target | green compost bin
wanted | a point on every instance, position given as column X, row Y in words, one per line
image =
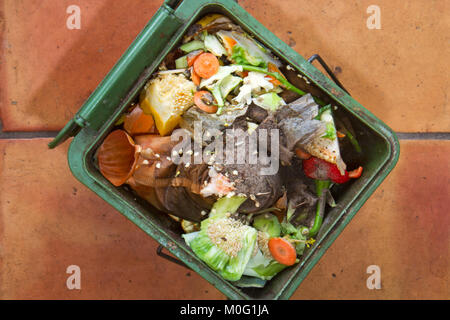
column 122, row 85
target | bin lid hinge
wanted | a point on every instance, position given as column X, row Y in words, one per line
column 173, row 4
column 70, row 130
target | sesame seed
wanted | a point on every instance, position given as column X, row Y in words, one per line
column 187, row 165
column 168, row 158
column 227, row 234
column 157, row 155
column 262, row 241
column 158, row 165
column 252, row 196
column 257, row 204
column 145, row 162
column 235, row 172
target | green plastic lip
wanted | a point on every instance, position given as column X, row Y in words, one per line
column 123, row 83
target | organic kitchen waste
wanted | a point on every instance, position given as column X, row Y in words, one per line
column 225, row 144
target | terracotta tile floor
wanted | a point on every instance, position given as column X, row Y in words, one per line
column 49, row 221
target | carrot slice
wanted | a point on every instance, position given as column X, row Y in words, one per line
column 273, row 68
column 195, row 77
column 302, row 154
column 192, row 56
column 205, row 101
column 282, row 251
column 355, row 173
column 206, row 65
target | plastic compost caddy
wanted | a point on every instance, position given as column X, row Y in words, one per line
column 122, row 85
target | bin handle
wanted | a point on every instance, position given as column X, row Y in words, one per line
column 327, row 69
column 159, row 252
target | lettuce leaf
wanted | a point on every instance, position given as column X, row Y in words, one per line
column 241, row 56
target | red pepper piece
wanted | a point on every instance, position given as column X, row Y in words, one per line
column 319, row 169
column 316, row 168
column 335, row 175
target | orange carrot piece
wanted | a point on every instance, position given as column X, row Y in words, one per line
column 206, row 65
column 137, row 122
column 273, row 68
column 229, row 44
column 204, row 100
column 282, row 251
column 195, row 77
column 192, row 56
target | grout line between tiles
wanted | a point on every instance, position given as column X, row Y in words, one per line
column 27, row 135
column 423, row 135
column 11, row 135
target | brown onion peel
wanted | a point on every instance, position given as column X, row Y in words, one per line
column 117, row 157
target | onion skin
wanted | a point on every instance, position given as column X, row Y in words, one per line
column 148, row 193
column 117, row 157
